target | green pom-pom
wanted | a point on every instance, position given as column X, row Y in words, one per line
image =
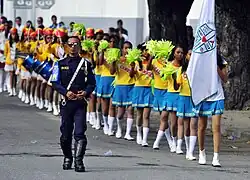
column 112, row 55
column 167, row 71
column 134, row 55
column 164, row 50
column 152, row 47
column 79, row 28
column 88, row 45
column 103, row 45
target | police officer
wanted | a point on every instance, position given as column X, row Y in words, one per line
column 74, row 104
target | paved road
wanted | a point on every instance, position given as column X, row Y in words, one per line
column 29, row 150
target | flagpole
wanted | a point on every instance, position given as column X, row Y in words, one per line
column 34, row 12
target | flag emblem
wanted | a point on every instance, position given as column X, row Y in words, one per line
column 205, row 39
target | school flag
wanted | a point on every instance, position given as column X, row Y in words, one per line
column 202, row 69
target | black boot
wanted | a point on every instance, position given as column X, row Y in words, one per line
column 67, row 152
column 80, row 147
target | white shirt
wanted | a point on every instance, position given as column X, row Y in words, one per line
column 20, row 30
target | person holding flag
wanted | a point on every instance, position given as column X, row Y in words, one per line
column 206, row 72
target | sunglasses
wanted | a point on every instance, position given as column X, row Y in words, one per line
column 73, row 44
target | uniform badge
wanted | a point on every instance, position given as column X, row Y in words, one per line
column 55, row 73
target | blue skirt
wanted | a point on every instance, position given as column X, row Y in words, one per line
column 172, row 101
column 209, row 108
column 122, row 95
column 185, row 108
column 142, row 97
column 160, row 99
column 97, row 79
column 105, row 87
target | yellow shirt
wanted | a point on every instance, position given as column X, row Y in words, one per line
column 106, row 69
column 143, row 77
column 33, row 46
column 122, row 75
column 22, row 47
column 98, row 68
column 159, row 83
column 10, row 52
column 171, row 82
column 183, row 82
column 44, row 52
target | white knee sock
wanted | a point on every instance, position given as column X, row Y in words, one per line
column 192, row 144
column 168, row 136
column 105, row 120
column 158, row 138
column 187, row 139
column 110, row 123
column 145, row 134
column 174, row 141
column 139, row 128
column 179, row 143
column 129, row 125
column 119, row 126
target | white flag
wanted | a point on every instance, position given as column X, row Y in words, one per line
column 202, row 68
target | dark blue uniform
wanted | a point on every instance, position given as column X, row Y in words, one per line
column 74, row 112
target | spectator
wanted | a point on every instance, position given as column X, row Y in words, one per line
column 112, row 31
column 30, row 25
column 120, row 28
column 19, row 25
column 3, row 19
column 40, row 23
column 61, row 24
column 10, row 24
column 71, row 28
column 54, row 22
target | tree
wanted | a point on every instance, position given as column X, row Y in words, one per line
column 167, row 20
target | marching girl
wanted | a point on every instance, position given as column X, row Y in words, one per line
column 59, row 51
column 96, row 100
column 25, row 75
column 173, row 96
column 106, row 89
column 212, row 106
column 2, row 45
column 122, row 96
column 185, row 113
column 160, row 101
column 142, row 98
column 32, row 48
column 43, row 53
column 10, row 63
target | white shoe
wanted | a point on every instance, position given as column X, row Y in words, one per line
column 5, row 88
column 46, row 103
column 216, row 163
column 139, row 139
column 23, row 97
column 128, row 137
column 1, row 90
column 202, row 158
column 144, row 144
column 179, row 151
column 14, row 91
column 37, row 103
column 173, row 149
column 50, row 109
column 41, row 104
column 156, row 146
column 105, row 129
column 118, row 134
column 55, row 110
column 32, row 102
column 11, row 93
column 191, row 157
column 20, row 94
column 27, row 100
